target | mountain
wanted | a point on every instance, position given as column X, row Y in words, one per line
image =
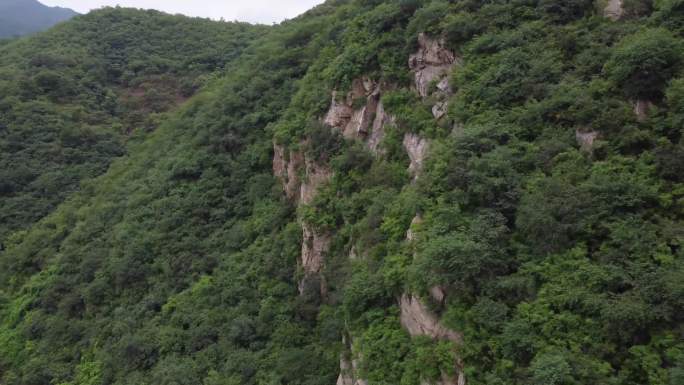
column 22, row 17
column 72, row 98
column 376, row 192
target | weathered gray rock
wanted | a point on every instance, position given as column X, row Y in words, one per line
column 286, row 169
column 315, row 246
column 410, row 233
column 642, row 108
column 586, row 138
column 354, row 123
column 303, row 190
column 459, row 379
column 614, row 10
column 432, row 62
column 346, row 376
column 340, row 112
column 316, row 174
column 417, row 149
column 348, row 373
column 438, row 293
column 349, row 368
column 360, row 114
column 418, row 320
column 377, row 134
column 440, row 109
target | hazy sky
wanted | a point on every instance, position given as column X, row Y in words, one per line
column 254, row 11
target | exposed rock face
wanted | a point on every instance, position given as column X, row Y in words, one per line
column 410, row 235
column 614, row 10
column 446, row 380
column 316, row 174
column 417, row 149
column 360, row 114
column 382, row 119
column 340, row 113
column 418, row 320
column 438, row 293
column 586, row 138
column 314, row 244
column 346, row 376
column 314, row 247
column 641, row 109
column 354, row 122
column 431, row 62
column 286, row 169
column 349, row 370
column 302, row 190
column 440, row 109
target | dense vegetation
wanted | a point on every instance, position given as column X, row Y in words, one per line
column 562, row 263
column 69, row 98
column 21, row 17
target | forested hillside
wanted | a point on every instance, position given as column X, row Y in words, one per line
column 21, row 17
column 71, row 97
column 376, row 192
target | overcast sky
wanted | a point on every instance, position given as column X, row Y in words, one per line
column 253, row 11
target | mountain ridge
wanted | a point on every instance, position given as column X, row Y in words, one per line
column 22, row 17
column 378, row 192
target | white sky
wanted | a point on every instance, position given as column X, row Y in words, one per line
column 253, row 11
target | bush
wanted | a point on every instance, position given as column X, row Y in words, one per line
column 643, row 63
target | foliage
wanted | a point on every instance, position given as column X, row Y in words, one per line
column 561, row 262
column 71, row 97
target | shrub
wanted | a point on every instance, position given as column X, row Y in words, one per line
column 643, row 63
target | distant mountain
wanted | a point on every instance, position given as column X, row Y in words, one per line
column 21, row 17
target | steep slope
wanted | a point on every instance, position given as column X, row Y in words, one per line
column 194, row 288
column 21, row 17
column 71, row 97
column 383, row 192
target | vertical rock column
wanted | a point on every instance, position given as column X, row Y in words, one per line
column 614, row 10
column 287, row 166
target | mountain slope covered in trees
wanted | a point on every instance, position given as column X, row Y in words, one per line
column 71, row 97
column 382, row 192
column 21, row 17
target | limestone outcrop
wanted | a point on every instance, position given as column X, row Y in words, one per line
column 641, row 109
column 418, row 320
column 586, row 138
column 377, row 134
column 360, row 113
column 354, row 113
column 349, row 373
column 614, row 10
column 349, row 368
column 446, row 380
column 315, row 246
column 417, row 149
column 301, row 177
column 286, row 166
column 432, row 62
column 410, row 234
column 316, row 174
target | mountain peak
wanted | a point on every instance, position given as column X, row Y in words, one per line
column 21, row 17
